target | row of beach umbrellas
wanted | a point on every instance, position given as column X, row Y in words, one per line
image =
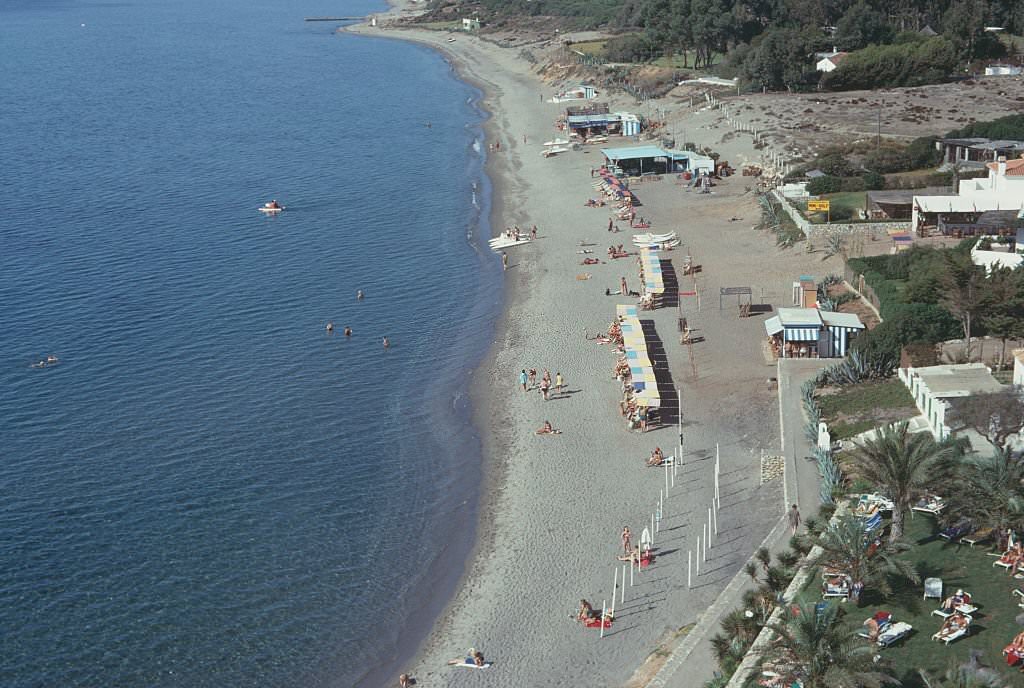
column 641, row 370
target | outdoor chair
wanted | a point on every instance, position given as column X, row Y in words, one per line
column 955, row 635
column 932, row 588
column 965, row 607
column 955, row 532
column 931, row 505
column 873, row 523
column 980, row 535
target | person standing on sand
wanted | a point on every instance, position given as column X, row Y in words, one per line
column 522, row 379
column 794, row 519
column 504, row 261
column 622, row 286
column 533, row 377
column 545, row 385
column 610, row 223
column 533, row 233
column 404, row 681
column 559, row 383
column 627, row 540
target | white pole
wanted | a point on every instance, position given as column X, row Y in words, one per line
column 666, row 477
column 604, row 603
column 652, row 527
column 615, row 589
column 709, row 522
column 622, row 595
column 689, row 568
column 714, row 520
column 631, row 572
column 698, row 556
column 704, row 531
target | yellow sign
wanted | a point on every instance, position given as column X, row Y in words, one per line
column 813, row 206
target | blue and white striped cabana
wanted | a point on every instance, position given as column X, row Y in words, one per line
column 808, row 332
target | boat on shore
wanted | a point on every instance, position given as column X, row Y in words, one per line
column 557, row 142
column 554, row 150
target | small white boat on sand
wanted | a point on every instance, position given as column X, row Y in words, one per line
column 554, row 150
column 498, row 243
column 557, row 142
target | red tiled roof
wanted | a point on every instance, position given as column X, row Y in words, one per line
column 1014, row 168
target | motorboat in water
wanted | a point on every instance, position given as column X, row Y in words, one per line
column 271, row 208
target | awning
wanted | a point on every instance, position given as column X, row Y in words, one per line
column 773, row 326
column 802, row 334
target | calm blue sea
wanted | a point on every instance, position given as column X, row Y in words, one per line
column 208, row 489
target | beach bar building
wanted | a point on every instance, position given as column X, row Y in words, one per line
column 641, row 160
column 623, row 123
column 812, row 333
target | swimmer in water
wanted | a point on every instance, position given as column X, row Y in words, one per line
column 330, row 328
column 387, row 344
column 359, row 295
column 348, row 331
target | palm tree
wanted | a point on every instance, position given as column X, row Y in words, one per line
column 990, row 492
column 900, row 463
column 812, row 649
column 969, row 675
column 847, row 548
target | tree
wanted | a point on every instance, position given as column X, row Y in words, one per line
column 861, row 26
column 1004, row 316
column 847, row 548
column 995, row 415
column 899, row 463
column 965, row 294
column 991, row 492
column 812, row 650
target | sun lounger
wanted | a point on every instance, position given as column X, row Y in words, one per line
column 894, row 633
column 980, row 535
column 954, row 635
column 1003, row 561
column 873, row 523
column 965, row 607
column 933, row 506
column 955, row 532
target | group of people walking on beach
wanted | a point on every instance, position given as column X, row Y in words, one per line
column 528, row 381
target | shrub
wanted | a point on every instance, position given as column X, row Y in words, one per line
column 873, row 181
column 824, row 185
column 921, row 153
column 886, row 160
column 852, row 184
column 906, row 64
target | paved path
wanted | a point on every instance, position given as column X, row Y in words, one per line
column 693, row 661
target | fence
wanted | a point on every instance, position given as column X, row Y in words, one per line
column 857, row 281
column 813, row 231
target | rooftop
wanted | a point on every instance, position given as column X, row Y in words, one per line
column 1014, row 168
column 800, row 317
column 958, row 380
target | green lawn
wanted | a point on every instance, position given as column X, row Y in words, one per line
column 959, row 567
column 853, row 409
column 595, row 48
column 844, row 206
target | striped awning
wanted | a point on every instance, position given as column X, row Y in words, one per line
column 802, row 334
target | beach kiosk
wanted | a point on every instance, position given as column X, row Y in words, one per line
column 812, row 333
column 640, row 160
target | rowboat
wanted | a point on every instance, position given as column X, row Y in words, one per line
column 557, row 142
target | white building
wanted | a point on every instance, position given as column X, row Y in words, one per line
column 1003, row 70
column 470, row 24
column 932, row 386
column 830, row 61
column 1018, row 367
column 1003, row 259
column 1002, row 189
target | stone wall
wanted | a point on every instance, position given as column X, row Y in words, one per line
column 820, row 231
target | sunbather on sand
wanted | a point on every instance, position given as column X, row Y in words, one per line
column 546, row 429
column 657, row 457
column 473, row 657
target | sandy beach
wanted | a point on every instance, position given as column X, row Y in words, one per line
column 554, row 506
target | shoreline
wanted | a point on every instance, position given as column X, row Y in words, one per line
column 548, row 510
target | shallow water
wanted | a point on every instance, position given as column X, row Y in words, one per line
column 208, row 489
